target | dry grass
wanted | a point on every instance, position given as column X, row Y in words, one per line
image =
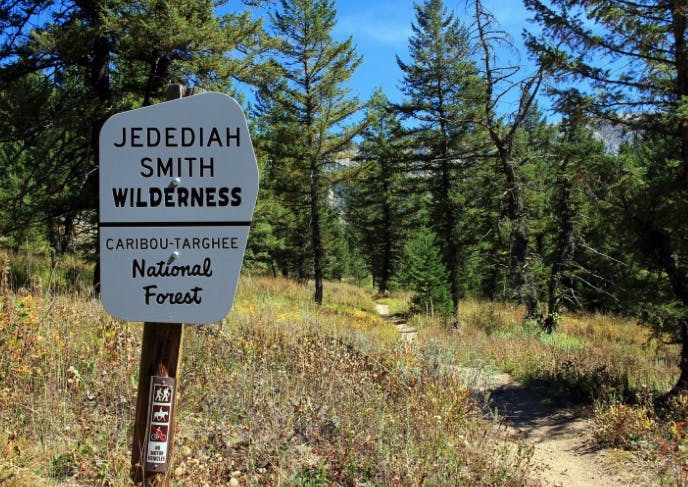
column 286, row 393
column 590, row 356
column 610, row 364
column 281, row 393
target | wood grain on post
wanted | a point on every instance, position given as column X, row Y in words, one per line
column 160, row 354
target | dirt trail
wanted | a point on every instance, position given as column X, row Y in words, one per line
column 407, row 333
column 563, row 453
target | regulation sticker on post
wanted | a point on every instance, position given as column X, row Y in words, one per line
column 159, row 430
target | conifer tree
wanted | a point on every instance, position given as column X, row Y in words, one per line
column 424, row 273
column 285, row 178
column 569, row 179
column 499, row 81
column 308, row 108
column 628, row 63
column 266, row 243
column 440, row 84
column 379, row 206
column 88, row 60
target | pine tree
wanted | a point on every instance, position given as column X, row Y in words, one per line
column 307, row 107
column 569, row 179
column 379, row 207
column 440, row 84
column 88, row 60
column 503, row 131
column 266, row 244
column 424, row 273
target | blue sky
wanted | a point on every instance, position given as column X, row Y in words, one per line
column 380, row 30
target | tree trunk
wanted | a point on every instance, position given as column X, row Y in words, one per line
column 518, row 254
column 386, row 270
column 679, row 26
column 681, row 53
column 100, row 82
column 152, row 75
column 158, row 67
column 448, row 223
column 386, row 264
column 657, row 245
column 67, row 234
column 315, row 233
column 681, row 385
column 677, row 278
column 565, row 249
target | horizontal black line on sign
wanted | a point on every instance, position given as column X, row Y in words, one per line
column 174, row 224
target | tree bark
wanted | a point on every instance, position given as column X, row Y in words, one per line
column 678, row 279
column 316, row 238
column 100, row 83
column 448, row 218
column 679, row 26
column 565, row 249
column 503, row 142
column 385, row 272
column 158, row 67
column 518, row 253
column 451, row 247
column 681, row 385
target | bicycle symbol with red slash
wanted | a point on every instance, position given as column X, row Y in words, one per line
column 158, row 433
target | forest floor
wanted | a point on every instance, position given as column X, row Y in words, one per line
column 564, row 454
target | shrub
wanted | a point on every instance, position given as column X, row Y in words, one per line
column 620, row 425
column 488, row 319
column 426, row 275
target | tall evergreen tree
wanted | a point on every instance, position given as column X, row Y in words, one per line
column 266, row 243
column 378, row 204
column 308, row 107
column 569, row 178
column 285, row 178
column 440, row 84
column 629, row 64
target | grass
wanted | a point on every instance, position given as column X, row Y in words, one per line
column 286, row 393
column 611, row 365
column 584, row 348
column 280, row 393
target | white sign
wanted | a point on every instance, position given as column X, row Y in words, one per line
column 178, row 184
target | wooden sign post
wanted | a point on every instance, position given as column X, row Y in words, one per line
column 178, row 184
column 154, row 429
column 160, row 354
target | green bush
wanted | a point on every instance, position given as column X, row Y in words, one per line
column 488, row 319
column 425, row 274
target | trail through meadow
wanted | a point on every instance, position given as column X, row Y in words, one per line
column 564, row 454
